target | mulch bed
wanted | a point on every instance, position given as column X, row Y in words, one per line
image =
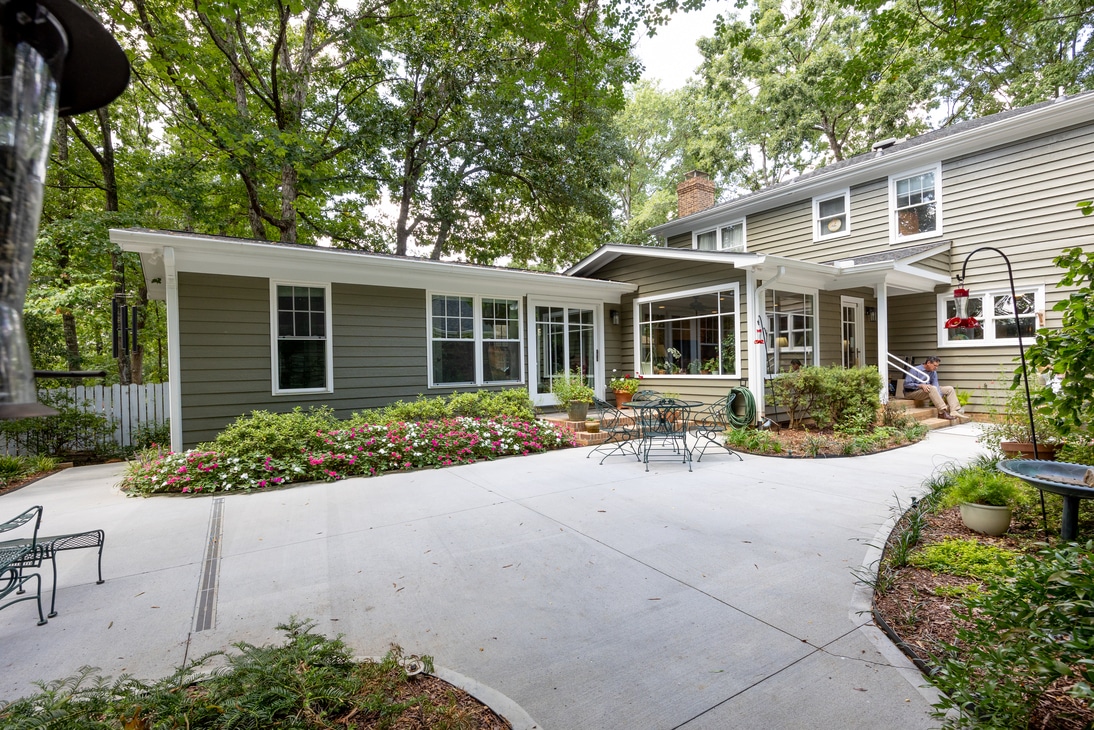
column 925, row 621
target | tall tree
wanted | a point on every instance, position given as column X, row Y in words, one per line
column 802, row 83
column 656, row 126
column 997, row 54
column 497, row 127
column 264, row 88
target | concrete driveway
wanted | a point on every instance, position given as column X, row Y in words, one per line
column 590, row 596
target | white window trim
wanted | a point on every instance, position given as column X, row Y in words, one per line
column 937, row 232
column 476, row 306
column 793, row 289
column 274, row 375
column 992, row 341
column 846, row 230
column 718, row 230
column 636, row 343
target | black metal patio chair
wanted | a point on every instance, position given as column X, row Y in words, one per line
column 621, row 429
column 20, row 561
column 711, row 423
column 46, row 548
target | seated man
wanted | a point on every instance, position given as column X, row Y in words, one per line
column 926, row 386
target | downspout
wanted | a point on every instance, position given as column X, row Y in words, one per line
column 756, row 375
column 174, row 361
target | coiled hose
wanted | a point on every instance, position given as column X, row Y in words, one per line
column 749, row 416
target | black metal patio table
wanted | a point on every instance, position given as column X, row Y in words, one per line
column 664, row 429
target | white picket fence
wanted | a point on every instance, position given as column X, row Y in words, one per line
column 128, row 406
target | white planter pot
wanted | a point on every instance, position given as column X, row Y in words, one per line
column 985, row 518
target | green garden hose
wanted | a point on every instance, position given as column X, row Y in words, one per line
column 749, row 416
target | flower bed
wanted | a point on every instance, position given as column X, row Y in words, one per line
column 365, row 450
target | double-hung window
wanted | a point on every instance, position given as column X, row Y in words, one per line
column 474, row 340
column 791, row 329
column 831, row 216
column 915, row 204
column 730, row 237
column 994, row 312
column 301, row 342
column 689, row 333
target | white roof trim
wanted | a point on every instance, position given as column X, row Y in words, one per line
column 606, row 254
column 241, row 257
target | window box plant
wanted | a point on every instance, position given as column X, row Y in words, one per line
column 572, row 392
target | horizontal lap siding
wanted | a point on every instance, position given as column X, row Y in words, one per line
column 788, row 230
column 666, row 277
column 1021, row 200
column 379, row 351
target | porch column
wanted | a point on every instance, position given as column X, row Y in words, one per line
column 882, row 293
column 174, row 359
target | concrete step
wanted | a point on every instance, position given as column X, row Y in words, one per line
column 928, row 416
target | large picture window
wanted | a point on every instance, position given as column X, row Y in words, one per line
column 994, row 310
column 474, row 340
column 915, row 204
column 693, row 333
column 791, row 329
column 301, row 344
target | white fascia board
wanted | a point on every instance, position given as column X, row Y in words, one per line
column 1061, row 114
column 606, row 254
column 235, row 257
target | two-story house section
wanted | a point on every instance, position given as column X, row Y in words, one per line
column 856, row 262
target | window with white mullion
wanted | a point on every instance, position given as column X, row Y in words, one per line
column 995, row 314
column 474, row 340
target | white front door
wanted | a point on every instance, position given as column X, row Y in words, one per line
column 564, row 338
column 851, row 328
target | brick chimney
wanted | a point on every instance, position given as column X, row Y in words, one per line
column 694, row 193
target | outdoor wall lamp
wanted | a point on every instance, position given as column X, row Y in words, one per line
column 614, row 314
column 56, row 59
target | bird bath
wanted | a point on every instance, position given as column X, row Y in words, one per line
column 1059, row 478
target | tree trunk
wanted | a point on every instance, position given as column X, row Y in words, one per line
column 73, row 359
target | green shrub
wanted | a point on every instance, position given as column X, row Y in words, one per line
column 12, row 468
column 984, row 485
column 845, row 398
column 276, row 435
column 754, row 440
column 149, row 434
column 1029, row 630
column 76, row 428
column 308, row 681
column 512, row 402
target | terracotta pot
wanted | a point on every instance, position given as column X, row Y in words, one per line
column 1024, row 450
column 985, row 518
column 623, row 397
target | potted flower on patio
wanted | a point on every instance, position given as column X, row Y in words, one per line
column 985, row 497
column 624, row 388
column 572, row 392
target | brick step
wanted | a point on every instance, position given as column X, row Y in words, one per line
column 928, row 416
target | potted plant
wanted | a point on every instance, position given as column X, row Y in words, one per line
column 624, row 388
column 709, row 367
column 571, row 391
column 985, row 497
column 1010, row 436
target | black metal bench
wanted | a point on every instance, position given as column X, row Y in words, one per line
column 37, row 549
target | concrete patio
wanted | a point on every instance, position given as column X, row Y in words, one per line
column 590, row 596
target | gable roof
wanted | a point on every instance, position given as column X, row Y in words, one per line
column 163, row 253
column 941, row 144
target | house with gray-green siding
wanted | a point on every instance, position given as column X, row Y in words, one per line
column 856, row 263
column 853, row 264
